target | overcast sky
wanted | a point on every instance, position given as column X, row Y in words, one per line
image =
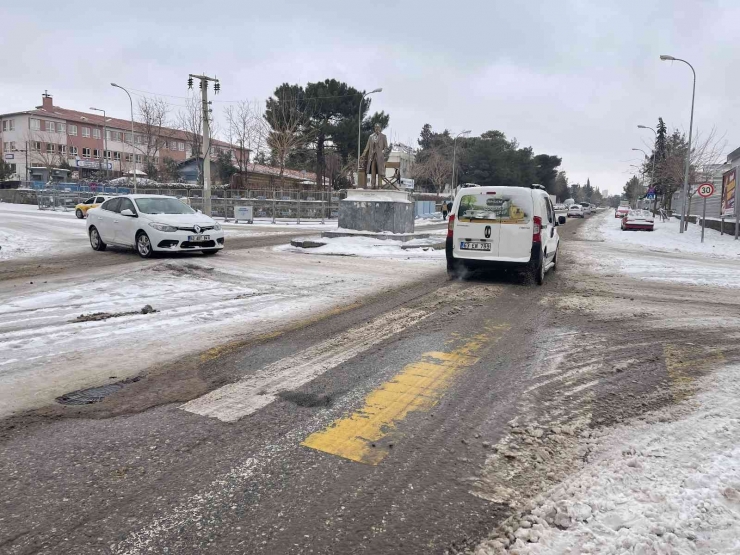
column 571, row 78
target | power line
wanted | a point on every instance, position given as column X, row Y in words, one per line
column 237, row 101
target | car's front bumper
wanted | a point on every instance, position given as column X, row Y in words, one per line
column 178, row 241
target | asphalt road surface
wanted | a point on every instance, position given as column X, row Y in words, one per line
column 369, row 430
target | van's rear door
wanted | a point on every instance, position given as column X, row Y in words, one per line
column 515, row 225
column 476, row 229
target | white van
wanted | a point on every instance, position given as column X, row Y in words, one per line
column 503, row 226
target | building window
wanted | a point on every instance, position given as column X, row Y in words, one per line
column 62, row 150
column 36, row 146
column 86, row 153
column 96, row 153
column 85, row 131
column 50, row 126
column 13, row 168
column 73, row 151
column 35, row 124
column 8, row 124
column 96, row 133
column 129, row 157
column 138, row 159
column 73, row 130
column 117, row 156
column 180, row 146
column 6, row 147
column 61, row 127
column 128, row 138
column 50, row 148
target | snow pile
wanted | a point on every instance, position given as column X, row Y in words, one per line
column 660, row 486
column 368, row 247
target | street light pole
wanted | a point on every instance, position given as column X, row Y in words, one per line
column 454, row 153
column 133, row 154
column 685, row 191
column 105, row 140
column 359, row 128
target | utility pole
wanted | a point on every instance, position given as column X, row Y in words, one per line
column 206, row 143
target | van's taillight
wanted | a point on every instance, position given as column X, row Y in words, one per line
column 450, row 225
column 537, row 230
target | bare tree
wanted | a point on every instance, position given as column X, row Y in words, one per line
column 190, row 120
column 44, row 148
column 706, row 153
column 436, row 167
column 286, row 130
column 153, row 127
column 245, row 128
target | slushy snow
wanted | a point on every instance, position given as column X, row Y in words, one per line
column 668, row 484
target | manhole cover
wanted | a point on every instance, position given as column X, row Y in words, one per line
column 92, row 394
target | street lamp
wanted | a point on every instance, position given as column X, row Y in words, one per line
column 359, row 127
column 454, row 152
column 685, row 190
column 133, row 154
column 105, row 139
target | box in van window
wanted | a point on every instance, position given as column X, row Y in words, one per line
column 494, row 208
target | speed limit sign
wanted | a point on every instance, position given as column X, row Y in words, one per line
column 705, row 190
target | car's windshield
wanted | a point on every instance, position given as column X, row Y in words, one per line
column 162, row 206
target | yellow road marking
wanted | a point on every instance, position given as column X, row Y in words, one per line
column 419, row 386
column 682, row 361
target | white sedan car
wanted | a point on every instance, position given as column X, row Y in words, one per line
column 575, row 211
column 152, row 223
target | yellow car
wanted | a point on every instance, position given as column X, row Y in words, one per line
column 93, row 202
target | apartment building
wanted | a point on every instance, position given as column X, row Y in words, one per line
column 37, row 142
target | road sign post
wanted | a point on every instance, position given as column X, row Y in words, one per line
column 705, row 191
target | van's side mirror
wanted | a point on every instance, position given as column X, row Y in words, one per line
column 561, row 220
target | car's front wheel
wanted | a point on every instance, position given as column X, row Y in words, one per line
column 144, row 245
column 79, row 214
column 95, row 241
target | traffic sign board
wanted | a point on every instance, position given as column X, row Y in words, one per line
column 705, row 190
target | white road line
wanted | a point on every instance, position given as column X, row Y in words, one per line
column 234, row 401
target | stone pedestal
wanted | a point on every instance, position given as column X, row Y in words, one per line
column 377, row 211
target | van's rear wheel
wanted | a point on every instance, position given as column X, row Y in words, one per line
column 538, row 271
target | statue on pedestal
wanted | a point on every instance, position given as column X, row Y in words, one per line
column 374, row 154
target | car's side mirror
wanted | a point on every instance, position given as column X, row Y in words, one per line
column 199, row 211
column 128, row 212
column 561, row 220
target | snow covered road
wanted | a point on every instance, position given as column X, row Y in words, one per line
column 46, row 349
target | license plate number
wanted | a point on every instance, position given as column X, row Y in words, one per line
column 198, row 238
column 475, row 246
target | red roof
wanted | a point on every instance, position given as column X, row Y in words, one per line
column 113, row 123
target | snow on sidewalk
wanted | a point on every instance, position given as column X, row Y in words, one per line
column 661, row 255
column 667, row 238
column 668, row 484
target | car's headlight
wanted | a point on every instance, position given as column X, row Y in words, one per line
column 217, row 227
column 162, row 227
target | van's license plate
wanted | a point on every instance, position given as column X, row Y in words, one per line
column 198, row 238
column 472, row 246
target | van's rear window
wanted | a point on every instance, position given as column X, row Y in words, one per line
column 501, row 208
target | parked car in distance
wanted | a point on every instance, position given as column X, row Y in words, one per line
column 151, row 223
column 586, row 207
column 495, row 227
column 621, row 211
column 575, row 211
column 638, row 220
column 93, row 202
